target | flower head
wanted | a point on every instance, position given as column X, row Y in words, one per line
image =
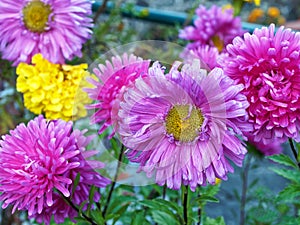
column 52, row 88
column 215, row 27
column 40, row 158
column 256, row 15
column 114, row 77
column 55, row 28
column 267, row 63
column 265, row 149
column 208, row 56
column 181, row 126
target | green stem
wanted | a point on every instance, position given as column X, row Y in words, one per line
column 245, row 173
column 77, row 210
column 114, row 180
column 100, row 10
column 164, row 191
column 185, row 204
column 199, row 212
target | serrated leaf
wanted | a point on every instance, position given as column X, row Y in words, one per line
column 210, row 190
column 161, row 217
column 263, row 216
column 289, row 193
column 283, row 159
column 288, row 174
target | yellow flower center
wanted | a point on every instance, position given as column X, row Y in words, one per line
column 35, row 16
column 184, row 122
column 219, row 44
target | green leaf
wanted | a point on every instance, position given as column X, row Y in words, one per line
column 154, row 204
column 138, row 219
column 203, row 199
column 118, row 202
column 283, row 159
column 121, row 211
column 171, row 205
column 253, row 183
column 81, row 207
column 91, row 197
column 163, row 218
column 289, row 194
column 288, row 174
column 81, row 221
column 214, row 221
column 97, row 217
column 92, row 193
column 210, row 190
column 263, row 216
column 76, row 182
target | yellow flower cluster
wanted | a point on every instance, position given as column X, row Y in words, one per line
column 53, row 89
column 272, row 15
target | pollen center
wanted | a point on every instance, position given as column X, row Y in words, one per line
column 184, row 122
column 35, row 16
column 218, row 42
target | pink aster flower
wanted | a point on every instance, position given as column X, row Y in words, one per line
column 181, row 126
column 114, row 77
column 267, row 63
column 208, row 55
column 40, row 158
column 215, row 27
column 266, row 149
column 55, row 28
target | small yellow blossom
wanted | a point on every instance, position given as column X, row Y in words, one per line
column 273, row 12
column 218, row 181
column 256, row 2
column 53, row 89
column 255, row 15
column 227, row 7
column 281, row 20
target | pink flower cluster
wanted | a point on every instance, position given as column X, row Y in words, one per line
column 212, row 30
column 267, row 63
column 181, row 126
column 39, row 164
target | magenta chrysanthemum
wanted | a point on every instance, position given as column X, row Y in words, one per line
column 55, row 28
column 40, row 158
column 182, row 126
column 215, row 27
column 267, row 63
column 113, row 77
